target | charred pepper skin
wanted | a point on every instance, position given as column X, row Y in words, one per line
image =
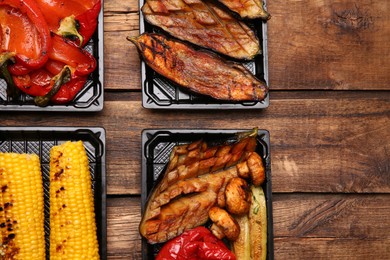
column 63, row 54
column 88, row 22
column 198, row 243
column 65, row 51
column 32, row 11
column 42, row 77
column 84, row 15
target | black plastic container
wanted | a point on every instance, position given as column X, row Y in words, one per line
column 40, row 140
column 89, row 99
column 156, row 148
column 160, row 93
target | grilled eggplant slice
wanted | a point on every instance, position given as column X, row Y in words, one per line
column 205, row 24
column 186, row 201
column 249, row 9
column 200, row 71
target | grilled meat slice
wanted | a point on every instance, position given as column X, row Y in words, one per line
column 199, row 71
column 186, row 201
column 205, row 24
column 247, row 8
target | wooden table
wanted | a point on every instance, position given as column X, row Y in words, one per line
column 329, row 121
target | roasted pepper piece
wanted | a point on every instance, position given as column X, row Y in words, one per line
column 59, row 88
column 24, row 32
column 71, row 18
column 67, row 52
column 50, row 83
column 195, row 244
column 87, row 22
column 12, row 90
column 36, row 83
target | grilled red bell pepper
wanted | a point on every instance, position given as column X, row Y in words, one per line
column 65, row 51
column 59, row 88
column 25, row 33
column 195, row 244
column 45, row 83
column 88, row 22
column 70, row 89
column 72, row 17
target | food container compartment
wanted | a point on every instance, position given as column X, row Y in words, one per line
column 40, row 140
column 160, row 93
column 156, row 148
column 89, row 99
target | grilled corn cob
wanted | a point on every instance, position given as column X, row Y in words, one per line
column 72, row 215
column 21, row 207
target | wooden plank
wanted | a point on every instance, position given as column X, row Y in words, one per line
column 363, row 216
column 337, row 44
column 320, row 142
column 123, row 218
column 120, row 6
column 306, row 226
column 121, row 67
column 331, row 248
column 121, row 62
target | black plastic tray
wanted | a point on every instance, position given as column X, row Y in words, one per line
column 156, row 148
column 160, row 93
column 40, row 141
column 89, row 99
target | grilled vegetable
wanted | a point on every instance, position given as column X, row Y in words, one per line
column 227, row 224
column 197, row 243
column 237, row 196
column 71, row 18
column 72, row 216
column 252, row 241
column 241, row 246
column 205, row 24
column 258, row 224
column 247, row 8
column 199, row 71
column 21, row 207
column 62, row 77
column 24, row 33
column 181, row 200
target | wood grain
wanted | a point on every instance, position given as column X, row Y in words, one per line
column 319, row 142
column 337, row 44
column 123, row 239
column 306, row 226
column 330, row 149
column 331, row 215
column 121, row 67
column 118, row 6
